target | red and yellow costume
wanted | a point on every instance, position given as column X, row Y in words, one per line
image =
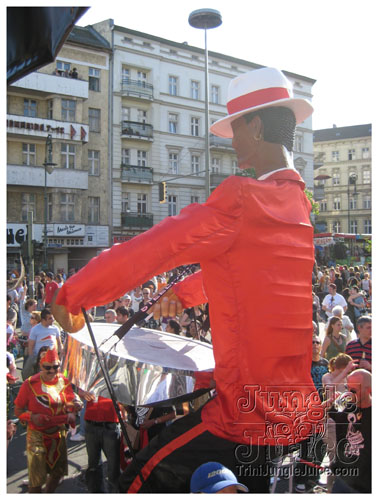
column 46, row 443
column 254, row 241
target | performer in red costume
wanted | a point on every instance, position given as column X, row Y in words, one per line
column 254, row 241
column 50, row 403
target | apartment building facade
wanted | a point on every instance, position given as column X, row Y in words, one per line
column 158, row 126
column 342, row 177
column 57, row 155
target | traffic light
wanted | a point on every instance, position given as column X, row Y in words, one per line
column 162, row 192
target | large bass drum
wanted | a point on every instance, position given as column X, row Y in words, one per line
column 146, row 367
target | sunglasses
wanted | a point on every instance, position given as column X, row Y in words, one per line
column 315, row 342
column 51, row 367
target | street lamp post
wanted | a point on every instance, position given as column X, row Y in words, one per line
column 206, row 19
column 48, row 166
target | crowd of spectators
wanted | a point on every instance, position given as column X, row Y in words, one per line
column 341, row 302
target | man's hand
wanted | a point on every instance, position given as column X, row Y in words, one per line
column 170, row 305
column 364, row 363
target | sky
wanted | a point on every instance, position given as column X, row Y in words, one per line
column 329, row 41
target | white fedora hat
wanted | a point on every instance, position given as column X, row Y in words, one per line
column 258, row 89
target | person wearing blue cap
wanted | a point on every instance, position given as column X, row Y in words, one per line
column 213, row 477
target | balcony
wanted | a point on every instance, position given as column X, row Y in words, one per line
column 136, row 220
column 137, row 88
column 25, row 175
column 52, row 84
column 136, row 130
column 135, row 174
column 216, row 179
column 220, row 142
column 27, row 126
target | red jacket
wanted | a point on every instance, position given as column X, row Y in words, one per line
column 254, row 241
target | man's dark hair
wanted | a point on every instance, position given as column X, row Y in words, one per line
column 175, row 326
column 279, row 125
column 122, row 310
column 363, row 319
column 45, row 312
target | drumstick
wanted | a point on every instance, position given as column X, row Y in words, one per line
column 142, row 313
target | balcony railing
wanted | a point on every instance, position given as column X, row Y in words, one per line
column 216, row 179
column 137, row 88
column 134, row 173
column 137, row 220
column 220, row 142
column 137, row 129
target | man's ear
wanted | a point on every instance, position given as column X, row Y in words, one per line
column 256, row 127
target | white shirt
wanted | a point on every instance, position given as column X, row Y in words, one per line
column 330, row 301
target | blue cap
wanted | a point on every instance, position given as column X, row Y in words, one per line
column 212, row 477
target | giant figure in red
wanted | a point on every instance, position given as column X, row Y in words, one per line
column 254, row 241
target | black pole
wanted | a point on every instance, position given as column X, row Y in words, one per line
column 112, row 393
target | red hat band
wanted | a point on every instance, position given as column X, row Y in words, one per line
column 256, row 98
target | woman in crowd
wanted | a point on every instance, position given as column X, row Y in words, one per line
column 357, row 300
column 334, row 341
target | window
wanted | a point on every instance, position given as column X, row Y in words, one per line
column 67, row 155
column 172, row 205
column 195, row 164
column 323, row 205
column 68, row 110
column 367, row 203
column 173, row 163
column 28, row 154
column 353, row 227
column 336, row 226
column 194, row 126
column 194, row 199
column 173, row 122
column 125, row 156
column 94, row 120
column 27, row 205
column 142, row 78
column 365, row 153
column 215, row 165
column 351, row 154
column 172, row 85
column 336, row 204
column 63, row 66
column 30, row 108
column 93, row 162
column 194, row 89
column 335, row 178
column 125, row 114
column 366, row 176
column 142, row 158
column 335, row 156
column 125, row 75
column 125, row 204
column 67, row 207
column 49, row 207
column 298, row 143
column 142, row 203
column 50, row 109
column 142, row 116
column 214, row 94
column 94, row 79
column 235, row 167
column 93, row 209
column 352, row 203
column 367, row 226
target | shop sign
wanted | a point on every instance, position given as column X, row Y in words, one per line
column 323, row 242
column 16, row 234
column 69, row 230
